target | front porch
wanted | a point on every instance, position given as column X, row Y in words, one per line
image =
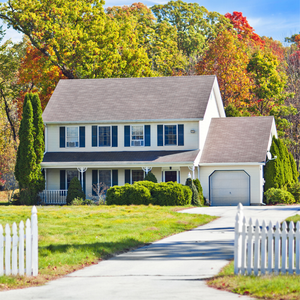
column 58, row 197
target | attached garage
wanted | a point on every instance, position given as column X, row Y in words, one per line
column 229, row 188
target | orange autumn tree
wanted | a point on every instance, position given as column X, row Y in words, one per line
column 37, row 75
column 227, row 58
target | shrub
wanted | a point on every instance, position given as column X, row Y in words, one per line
column 274, row 196
column 147, row 192
column 75, row 190
column 294, row 189
column 195, row 196
column 150, row 177
column 128, row 194
column 77, row 201
column 200, row 191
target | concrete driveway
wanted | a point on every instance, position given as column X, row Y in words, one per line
column 173, row 268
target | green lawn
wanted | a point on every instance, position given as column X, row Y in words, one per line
column 71, row 237
column 281, row 287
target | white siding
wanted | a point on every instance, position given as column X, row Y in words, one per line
column 212, row 111
column 191, row 140
column 255, row 173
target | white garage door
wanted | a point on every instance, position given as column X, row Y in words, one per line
column 229, row 188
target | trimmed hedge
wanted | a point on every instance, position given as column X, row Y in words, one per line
column 147, row 192
column 274, row 196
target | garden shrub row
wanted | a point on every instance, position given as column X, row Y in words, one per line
column 147, row 192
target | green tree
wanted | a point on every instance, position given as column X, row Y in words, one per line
column 195, row 197
column 294, row 168
column 195, row 25
column 81, row 40
column 25, row 169
column 150, row 177
column 75, row 190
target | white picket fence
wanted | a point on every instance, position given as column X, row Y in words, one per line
column 261, row 249
column 11, row 246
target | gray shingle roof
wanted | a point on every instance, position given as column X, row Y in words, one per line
column 237, row 140
column 122, row 157
column 118, row 99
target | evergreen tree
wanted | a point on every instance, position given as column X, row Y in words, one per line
column 195, row 196
column 274, row 176
column 75, row 190
column 294, row 168
column 25, row 169
column 150, row 177
column 38, row 124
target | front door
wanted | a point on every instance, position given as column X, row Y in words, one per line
column 170, row 176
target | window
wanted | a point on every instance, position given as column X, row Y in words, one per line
column 170, row 135
column 137, row 135
column 72, row 137
column 137, row 175
column 105, row 177
column 70, row 175
column 104, row 136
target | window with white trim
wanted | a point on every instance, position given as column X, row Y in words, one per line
column 72, row 136
column 137, row 135
column 170, row 135
column 137, row 175
column 104, row 136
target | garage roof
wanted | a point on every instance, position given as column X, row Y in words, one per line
column 237, row 140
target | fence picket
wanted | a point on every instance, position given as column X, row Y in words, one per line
column 277, row 248
column 34, row 230
column 270, row 248
column 263, row 248
column 256, row 248
column 21, row 248
column 237, row 240
column 7, row 250
column 297, row 234
column 250, row 248
column 28, row 248
column 291, row 248
column 284, row 248
column 1, row 251
column 14, row 250
column 244, row 230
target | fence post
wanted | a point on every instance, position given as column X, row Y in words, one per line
column 244, row 232
column 250, row 248
column 237, row 240
column 34, row 230
column 1, row 251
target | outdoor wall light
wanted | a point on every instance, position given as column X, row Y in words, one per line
column 193, row 130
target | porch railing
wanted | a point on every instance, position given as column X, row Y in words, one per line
column 54, row 196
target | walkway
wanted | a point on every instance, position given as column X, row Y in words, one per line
column 173, row 268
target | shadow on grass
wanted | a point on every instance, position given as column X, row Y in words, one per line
column 101, row 250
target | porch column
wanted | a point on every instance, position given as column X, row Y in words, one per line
column 45, row 178
column 81, row 170
column 147, row 169
column 193, row 169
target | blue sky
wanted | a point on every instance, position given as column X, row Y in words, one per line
column 273, row 18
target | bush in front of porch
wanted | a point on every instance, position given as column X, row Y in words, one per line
column 147, row 192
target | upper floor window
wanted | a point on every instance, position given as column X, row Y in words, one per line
column 137, row 135
column 170, row 135
column 72, row 137
column 104, row 136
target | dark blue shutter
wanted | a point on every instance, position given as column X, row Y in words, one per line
column 114, row 177
column 127, row 176
column 94, row 181
column 114, row 136
column 126, row 136
column 147, row 135
column 81, row 136
column 94, row 136
column 62, row 137
column 62, row 179
column 160, row 135
column 180, row 135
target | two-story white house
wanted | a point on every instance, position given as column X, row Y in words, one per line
column 115, row 130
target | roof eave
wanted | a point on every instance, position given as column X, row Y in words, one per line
column 231, row 164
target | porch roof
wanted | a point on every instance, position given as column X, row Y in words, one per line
column 124, row 157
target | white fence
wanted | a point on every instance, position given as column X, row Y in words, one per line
column 54, row 196
column 11, row 246
column 265, row 249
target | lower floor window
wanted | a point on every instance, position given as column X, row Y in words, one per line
column 137, row 175
column 105, row 177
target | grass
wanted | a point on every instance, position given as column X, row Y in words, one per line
column 71, row 237
column 280, row 287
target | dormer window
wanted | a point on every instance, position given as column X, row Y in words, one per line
column 137, row 135
column 72, row 137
